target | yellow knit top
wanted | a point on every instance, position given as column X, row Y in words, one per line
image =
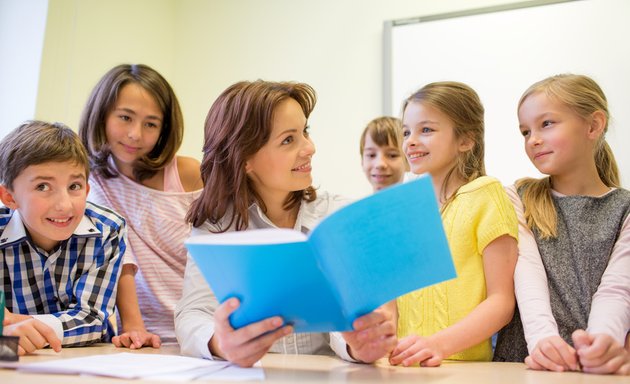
column 480, row 213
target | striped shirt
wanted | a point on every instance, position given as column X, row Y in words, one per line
column 72, row 289
column 156, row 232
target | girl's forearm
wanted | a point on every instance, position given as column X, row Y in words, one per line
column 127, row 301
column 485, row 320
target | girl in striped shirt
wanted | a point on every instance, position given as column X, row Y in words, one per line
column 132, row 127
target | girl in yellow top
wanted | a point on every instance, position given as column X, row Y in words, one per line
column 443, row 135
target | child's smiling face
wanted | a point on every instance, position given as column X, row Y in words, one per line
column 50, row 198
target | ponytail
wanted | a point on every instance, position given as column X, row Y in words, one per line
column 607, row 165
column 540, row 212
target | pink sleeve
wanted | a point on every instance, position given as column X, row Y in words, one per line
column 530, row 282
column 610, row 309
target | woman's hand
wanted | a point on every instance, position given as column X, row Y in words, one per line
column 374, row 335
column 246, row 345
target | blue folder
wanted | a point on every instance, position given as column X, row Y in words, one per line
column 358, row 258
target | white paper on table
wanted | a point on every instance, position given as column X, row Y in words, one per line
column 188, row 375
column 235, row 373
column 123, row 365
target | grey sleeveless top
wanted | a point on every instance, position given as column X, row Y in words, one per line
column 587, row 230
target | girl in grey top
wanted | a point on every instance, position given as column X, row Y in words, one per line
column 572, row 279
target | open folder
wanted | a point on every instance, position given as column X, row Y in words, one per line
column 358, row 258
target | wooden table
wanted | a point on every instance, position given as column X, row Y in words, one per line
column 321, row 369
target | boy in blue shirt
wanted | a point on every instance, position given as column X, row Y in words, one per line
column 60, row 256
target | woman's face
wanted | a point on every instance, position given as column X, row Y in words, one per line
column 283, row 164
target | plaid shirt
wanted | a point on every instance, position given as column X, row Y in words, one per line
column 75, row 285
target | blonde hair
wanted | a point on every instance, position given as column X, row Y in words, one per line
column 584, row 97
column 383, row 131
column 463, row 106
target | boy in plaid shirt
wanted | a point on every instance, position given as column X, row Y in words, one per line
column 60, row 256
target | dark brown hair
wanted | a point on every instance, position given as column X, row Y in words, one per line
column 37, row 142
column 238, row 124
column 102, row 101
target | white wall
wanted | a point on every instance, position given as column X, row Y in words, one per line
column 85, row 38
column 202, row 46
column 500, row 54
column 334, row 45
column 22, row 25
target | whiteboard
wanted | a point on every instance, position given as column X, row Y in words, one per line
column 500, row 52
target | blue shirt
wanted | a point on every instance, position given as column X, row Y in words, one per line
column 72, row 288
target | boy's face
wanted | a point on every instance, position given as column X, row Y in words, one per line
column 51, row 200
column 383, row 165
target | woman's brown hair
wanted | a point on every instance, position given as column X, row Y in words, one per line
column 238, row 124
column 103, row 99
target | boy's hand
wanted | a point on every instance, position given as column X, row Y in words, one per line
column 246, row 345
column 415, row 349
column 137, row 339
column 554, row 354
column 33, row 335
column 12, row 318
column 600, row 353
column 374, row 336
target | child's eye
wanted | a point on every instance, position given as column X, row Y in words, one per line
column 547, row 123
column 76, row 186
column 124, row 118
column 370, row 155
column 152, row 125
column 406, row 133
column 288, row 140
column 393, row 155
column 43, row 187
column 426, row 130
column 525, row 132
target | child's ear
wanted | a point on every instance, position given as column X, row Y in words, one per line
column 466, row 144
column 597, row 124
column 7, row 198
